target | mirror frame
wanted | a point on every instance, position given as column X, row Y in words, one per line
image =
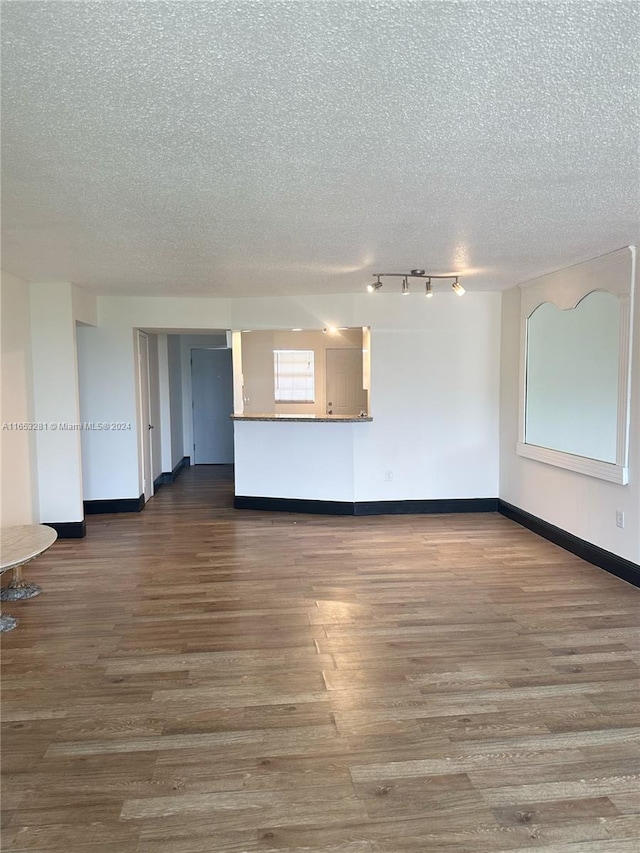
column 613, row 273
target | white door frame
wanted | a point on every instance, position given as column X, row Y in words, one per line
column 145, row 458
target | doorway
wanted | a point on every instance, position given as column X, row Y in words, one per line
column 212, row 405
column 144, row 415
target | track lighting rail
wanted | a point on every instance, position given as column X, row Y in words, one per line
column 421, row 274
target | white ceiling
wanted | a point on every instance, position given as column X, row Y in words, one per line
column 274, row 148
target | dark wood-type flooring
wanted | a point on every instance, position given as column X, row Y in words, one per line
column 195, row 679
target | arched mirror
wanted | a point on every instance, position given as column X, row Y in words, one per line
column 575, row 376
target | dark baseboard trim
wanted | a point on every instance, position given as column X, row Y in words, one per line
column 618, row 566
column 69, row 529
column 426, row 507
column 294, row 505
column 114, row 505
column 171, row 476
column 444, row 505
column 185, row 462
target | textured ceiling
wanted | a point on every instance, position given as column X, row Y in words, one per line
column 259, row 148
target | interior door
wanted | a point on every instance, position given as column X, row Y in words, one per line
column 345, row 394
column 212, row 389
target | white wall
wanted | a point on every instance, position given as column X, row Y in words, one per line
column 106, row 368
column 434, row 400
column 19, row 482
column 55, row 393
column 307, row 461
column 85, row 306
column 582, row 505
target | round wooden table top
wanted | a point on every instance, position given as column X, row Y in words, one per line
column 23, row 542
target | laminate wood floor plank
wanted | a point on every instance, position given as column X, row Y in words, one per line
column 196, row 679
column 627, row 803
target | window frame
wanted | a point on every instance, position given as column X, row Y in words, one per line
column 309, row 378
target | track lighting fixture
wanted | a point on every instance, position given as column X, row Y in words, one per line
column 428, row 287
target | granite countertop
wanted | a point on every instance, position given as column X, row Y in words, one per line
column 349, row 419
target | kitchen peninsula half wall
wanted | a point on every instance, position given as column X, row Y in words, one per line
column 297, row 464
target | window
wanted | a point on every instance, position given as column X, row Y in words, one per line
column 294, row 375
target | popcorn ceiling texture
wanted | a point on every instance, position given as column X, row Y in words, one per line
column 275, row 148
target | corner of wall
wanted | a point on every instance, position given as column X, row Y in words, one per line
column 85, row 306
column 19, row 492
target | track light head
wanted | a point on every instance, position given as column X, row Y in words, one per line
column 458, row 288
column 405, row 286
column 376, row 285
column 428, row 290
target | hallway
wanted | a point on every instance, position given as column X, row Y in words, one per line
column 198, row 679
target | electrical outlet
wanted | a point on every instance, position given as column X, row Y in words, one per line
column 619, row 518
column 388, row 476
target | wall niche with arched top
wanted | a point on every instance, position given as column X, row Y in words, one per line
column 575, row 367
